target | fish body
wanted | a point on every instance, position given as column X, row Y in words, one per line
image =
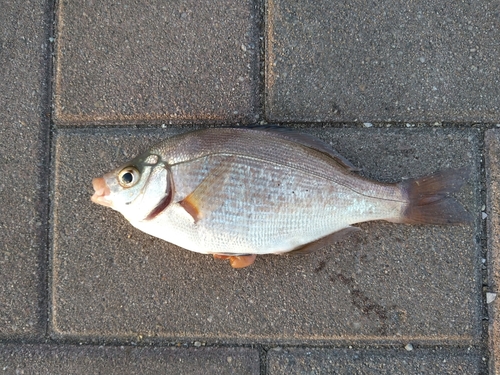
column 238, row 191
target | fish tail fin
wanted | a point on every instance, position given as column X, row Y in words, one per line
column 429, row 200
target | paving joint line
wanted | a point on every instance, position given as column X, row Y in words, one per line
column 45, row 172
column 297, row 124
column 263, row 352
column 483, row 243
column 265, row 344
column 261, row 4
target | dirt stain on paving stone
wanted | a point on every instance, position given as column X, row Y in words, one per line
column 320, row 266
column 362, row 302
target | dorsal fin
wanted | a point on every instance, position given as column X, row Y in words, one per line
column 308, row 141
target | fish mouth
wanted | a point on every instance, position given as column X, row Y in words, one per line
column 101, row 192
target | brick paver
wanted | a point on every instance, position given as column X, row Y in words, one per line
column 113, row 280
column 23, row 193
column 386, row 61
column 133, row 61
column 365, row 362
column 70, row 359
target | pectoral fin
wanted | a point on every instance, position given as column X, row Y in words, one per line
column 207, row 197
column 324, row 241
column 192, row 206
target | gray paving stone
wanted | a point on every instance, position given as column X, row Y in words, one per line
column 312, row 362
column 390, row 282
column 492, row 158
column 56, row 359
column 23, row 41
column 384, row 61
column 137, row 61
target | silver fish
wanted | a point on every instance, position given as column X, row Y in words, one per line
column 239, row 192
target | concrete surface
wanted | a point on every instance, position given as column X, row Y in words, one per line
column 70, row 359
column 492, row 154
column 136, row 61
column 24, row 157
column 355, row 361
column 365, row 288
column 81, row 291
column 419, row 61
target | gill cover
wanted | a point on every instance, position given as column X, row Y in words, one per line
column 142, row 188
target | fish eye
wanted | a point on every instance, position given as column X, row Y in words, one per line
column 128, row 177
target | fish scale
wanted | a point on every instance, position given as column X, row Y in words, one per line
column 273, row 216
column 265, row 148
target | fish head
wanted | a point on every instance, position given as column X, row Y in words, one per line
column 136, row 189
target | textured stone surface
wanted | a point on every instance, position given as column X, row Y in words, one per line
column 389, row 282
column 23, row 39
column 492, row 153
column 364, row 362
column 383, row 61
column 133, row 61
column 143, row 62
column 56, row 359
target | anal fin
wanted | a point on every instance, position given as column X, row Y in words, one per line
column 238, row 261
column 324, row 241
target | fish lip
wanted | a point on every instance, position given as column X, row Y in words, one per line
column 101, row 193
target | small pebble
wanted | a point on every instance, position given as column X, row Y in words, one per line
column 490, row 297
column 197, row 344
column 367, row 124
column 409, row 347
column 484, row 215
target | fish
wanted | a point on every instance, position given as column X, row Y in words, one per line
column 237, row 192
